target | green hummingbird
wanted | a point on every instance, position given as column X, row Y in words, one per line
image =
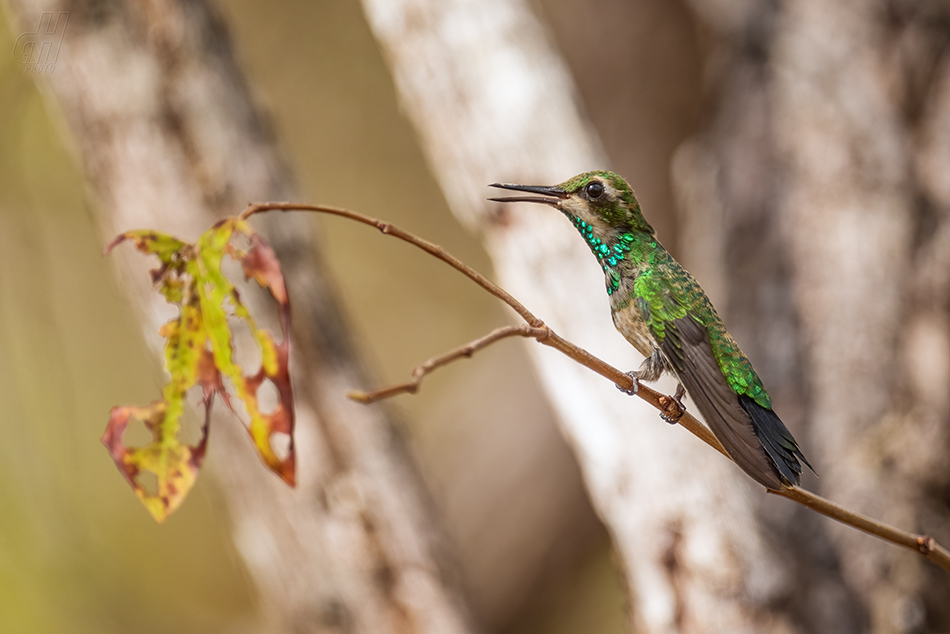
column 661, row 309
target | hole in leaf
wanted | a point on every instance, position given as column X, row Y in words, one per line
column 230, row 267
column 267, row 397
column 137, row 434
column 247, row 352
column 280, row 443
column 148, row 481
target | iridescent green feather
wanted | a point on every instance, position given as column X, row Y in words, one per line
column 672, row 293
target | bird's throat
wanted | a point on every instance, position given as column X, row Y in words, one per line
column 612, row 252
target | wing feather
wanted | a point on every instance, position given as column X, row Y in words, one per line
column 686, row 345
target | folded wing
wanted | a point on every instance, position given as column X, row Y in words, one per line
column 754, row 436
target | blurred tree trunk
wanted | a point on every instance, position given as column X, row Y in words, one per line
column 492, row 101
column 824, row 178
column 170, row 139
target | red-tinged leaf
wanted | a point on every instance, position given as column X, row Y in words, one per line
column 261, row 263
column 281, row 420
column 218, row 293
column 175, row 465
column 199, row 351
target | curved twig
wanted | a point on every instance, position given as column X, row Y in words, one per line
column 465, row 351
column 535, row 328
column 392, row 230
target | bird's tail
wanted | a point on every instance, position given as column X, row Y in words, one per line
column 779, row 443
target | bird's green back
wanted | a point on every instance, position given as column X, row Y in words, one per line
column 670, row 293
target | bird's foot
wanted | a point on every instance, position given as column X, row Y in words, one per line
column 634, row 388
column 672, row 406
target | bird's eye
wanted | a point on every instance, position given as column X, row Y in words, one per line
column 595, row 190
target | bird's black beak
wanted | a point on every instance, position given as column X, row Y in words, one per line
column 549, row 195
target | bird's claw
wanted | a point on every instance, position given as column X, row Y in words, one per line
column 672, row 408
column 634, row 388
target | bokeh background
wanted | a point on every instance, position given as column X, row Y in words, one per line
column 78, row 553
column 795, row 156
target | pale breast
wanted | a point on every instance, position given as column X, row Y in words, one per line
column 630, row 323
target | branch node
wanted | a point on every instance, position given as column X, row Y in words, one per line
column 539, row 331
column 926, row 544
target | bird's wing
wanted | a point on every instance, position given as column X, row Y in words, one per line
column 686, row 345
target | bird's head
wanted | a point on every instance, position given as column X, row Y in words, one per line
column 601, row 200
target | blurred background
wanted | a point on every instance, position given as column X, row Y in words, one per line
column 675, row 91
column 78, row 552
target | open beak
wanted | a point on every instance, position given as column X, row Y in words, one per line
column 549, row 195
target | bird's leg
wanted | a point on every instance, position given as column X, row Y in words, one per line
column 650, row 370
column 673, row 407
column 635, row 387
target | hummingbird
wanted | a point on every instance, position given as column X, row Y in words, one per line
column 664, row 313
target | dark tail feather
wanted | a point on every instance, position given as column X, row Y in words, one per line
column 777, row 440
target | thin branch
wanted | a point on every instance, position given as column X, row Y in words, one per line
column 392, row 230
column 466, row 351
column 535, row 328
column 552, row 339
column 921, row 544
